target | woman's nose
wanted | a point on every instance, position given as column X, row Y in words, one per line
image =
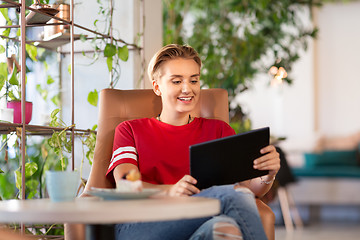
column 185, row 88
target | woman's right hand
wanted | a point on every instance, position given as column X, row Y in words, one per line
column 184, row 187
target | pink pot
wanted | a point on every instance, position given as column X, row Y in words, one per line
column 16, row 105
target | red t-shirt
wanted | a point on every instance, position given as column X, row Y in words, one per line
column 160, row 150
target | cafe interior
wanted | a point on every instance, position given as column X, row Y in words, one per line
column 303, row 89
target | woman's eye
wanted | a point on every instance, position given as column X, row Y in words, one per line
column 176, row 82
column 194, row 81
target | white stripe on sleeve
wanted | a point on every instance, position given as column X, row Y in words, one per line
column 123, row 149
column 121, row 153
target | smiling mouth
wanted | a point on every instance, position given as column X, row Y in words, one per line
column 185, row 99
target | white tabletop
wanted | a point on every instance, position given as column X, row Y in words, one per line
column 95, row 211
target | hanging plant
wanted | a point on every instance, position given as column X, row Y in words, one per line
column 238, row 39
column 114, row 50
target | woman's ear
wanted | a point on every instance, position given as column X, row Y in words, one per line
column 156, row 88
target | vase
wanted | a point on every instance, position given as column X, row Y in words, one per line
column 62, row 186
column 16, row 105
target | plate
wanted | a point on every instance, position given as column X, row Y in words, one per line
column 113, row 194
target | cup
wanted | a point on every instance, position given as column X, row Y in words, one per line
column 62, row 186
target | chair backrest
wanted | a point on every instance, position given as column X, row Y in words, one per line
column 116, row 106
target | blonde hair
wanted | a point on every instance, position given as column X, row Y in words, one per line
column 168, row 52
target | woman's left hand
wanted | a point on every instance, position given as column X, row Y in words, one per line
column 270, row 161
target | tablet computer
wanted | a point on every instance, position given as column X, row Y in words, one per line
column 228, row 160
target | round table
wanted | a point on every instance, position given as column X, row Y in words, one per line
column 92, row 210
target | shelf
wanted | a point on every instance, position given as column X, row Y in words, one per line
column 6, row 128
column 56, row 40
column 40, row 18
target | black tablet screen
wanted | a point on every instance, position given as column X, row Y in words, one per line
column 228, row 160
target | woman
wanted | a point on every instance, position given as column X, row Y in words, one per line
column 159, row 148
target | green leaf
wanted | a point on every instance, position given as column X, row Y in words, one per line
column 110, row 50
column 56, row 100
column 3, row 74
column 1, row 171
column 3, row 69
column 93, row 97
column 53, row 113
column 32, row 51
column 83, row 37
column 109, row 62
column 90, row 156
column 52, row 141
column 13, row 79
column 32, row 184
column 30, row 168
column 123, row 53
column 12, row 96
column 68, row 146
column 17, row 174
column 31, row 188
column 31, row 194
column 46, row 66
column 2, row 49
column 7, row 187
column 50, row 80
column 4, row 12
column 6, row 32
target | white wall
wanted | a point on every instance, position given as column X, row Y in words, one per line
column 323, row 99
column 338, row 50
column 87, row 78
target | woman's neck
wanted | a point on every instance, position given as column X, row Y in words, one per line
column 177, row 120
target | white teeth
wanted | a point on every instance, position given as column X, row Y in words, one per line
column 185, row 99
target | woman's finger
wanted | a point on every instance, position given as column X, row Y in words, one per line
column 189, row 179
column 191, row 188
column 269, row 148
column 270, row 155
column 185, row 186
column 269, row 166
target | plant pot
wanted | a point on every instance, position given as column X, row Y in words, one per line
column 64, row 13
column 62, row 186
column 16, row 105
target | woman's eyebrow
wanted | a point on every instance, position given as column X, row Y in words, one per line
column 181, row 76
column 176, row 76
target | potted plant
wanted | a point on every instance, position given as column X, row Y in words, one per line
column 12, row 93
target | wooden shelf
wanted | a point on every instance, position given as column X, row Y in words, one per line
column 41, row 18
column 6, row 128
column 56, row 40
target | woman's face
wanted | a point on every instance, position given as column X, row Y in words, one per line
column 178, row 84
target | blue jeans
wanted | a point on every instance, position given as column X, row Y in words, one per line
column 238, row 205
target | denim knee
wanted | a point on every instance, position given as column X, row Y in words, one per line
column 205, row 231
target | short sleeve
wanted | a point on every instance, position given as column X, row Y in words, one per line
column 124, row 150
column 227, row 130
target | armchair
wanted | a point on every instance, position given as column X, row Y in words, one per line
column 120, row 105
